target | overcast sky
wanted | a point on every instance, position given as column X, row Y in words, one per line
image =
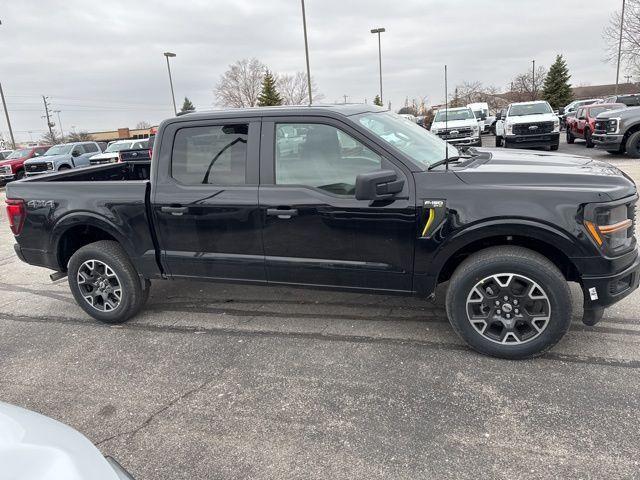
column 101, row 63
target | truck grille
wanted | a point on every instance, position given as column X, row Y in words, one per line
column 36, row 167
column 601, row 127
column 532, row 128
column 455, row 133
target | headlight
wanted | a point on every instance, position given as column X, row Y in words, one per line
column 509, row 128
column 612, row 125
column 556, row 125
column 49, row 165
column 611, row 227
column 435, row 130
column 475, row 128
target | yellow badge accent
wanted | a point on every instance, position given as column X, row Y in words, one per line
column 432, row 216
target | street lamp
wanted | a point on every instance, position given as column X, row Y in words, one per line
column 173, row 97
column 379, row 31
column 306, row 51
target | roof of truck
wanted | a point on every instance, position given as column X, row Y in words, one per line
column 318, row 109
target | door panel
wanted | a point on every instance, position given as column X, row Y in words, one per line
column 207, row 230
column 324, row 236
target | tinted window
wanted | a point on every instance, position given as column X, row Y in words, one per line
column 630, row 101
column 79, row 149
column 210, row 155
column 321, row 156
column 90, row 147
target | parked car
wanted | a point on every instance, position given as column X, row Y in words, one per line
column 486, row 121
column 62, row 157
column 583, row 124
column 570, row 109
column 618, row 131
column 110, row 155
column 12, row 168
column 368, row 202
column 35, row 447
column 630, row 100
column 5, row 154
column 458, row 126
column 528, row 125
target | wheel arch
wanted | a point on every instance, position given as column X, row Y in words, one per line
column 74, row 231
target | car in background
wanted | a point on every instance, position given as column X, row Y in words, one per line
column 583, row 124
column 12, row 168
column 529, row 125
column 630, row 100
column 35, row 447
column 5, row 154
column 458, row 126
column 110, row 155
column 486, row 121
column 62, row 157
column 618, row 131
column 572, row 108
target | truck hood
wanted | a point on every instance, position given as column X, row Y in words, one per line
column 543, row 170
column 11, row 161
column 35, row 447
column 471, row 122
column 542, row 117
column 620, row 113
column 50, row 158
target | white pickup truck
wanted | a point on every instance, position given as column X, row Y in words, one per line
column 458, row 126
column 528, row 125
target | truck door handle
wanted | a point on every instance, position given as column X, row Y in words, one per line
column 282, row 213
column 174, row 210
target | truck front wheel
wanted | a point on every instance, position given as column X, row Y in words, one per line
column 498, row 141
column 633, row 145
column 105, row 283
column 509, row 302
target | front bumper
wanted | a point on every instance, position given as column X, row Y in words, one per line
column 603, row 291
column 467, row 141
column 33, row 174
column 606, row 141
column 532, row 141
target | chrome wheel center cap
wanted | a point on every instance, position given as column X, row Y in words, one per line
column 507, row 308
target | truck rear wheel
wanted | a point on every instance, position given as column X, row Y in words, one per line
column 498, row 141
column 105, row 283
column 633, row 145
column 570, row 138
column 509, row 302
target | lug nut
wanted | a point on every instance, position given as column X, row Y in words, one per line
column 506, row 298
column 515, row 302
column 499, row 312
column 508, row 315
column 497, row 302
column 517, row 311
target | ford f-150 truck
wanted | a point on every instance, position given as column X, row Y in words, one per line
column 348, row 197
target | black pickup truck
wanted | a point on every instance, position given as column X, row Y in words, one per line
column 342, row 197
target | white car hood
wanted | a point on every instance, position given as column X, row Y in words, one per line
column 102, row 156
column 455, row 124
column 35, row 447
column 542, row 117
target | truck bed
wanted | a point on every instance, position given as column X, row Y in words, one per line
column 100, row 173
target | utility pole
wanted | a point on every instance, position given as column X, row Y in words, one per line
column 46, row 111
column 57, row 112
column 345, row 99
column 628, row 77
column 6, row 114
column 306, row 52
column 533, row 82
column 620, row 46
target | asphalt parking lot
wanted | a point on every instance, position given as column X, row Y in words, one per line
column 234, row 382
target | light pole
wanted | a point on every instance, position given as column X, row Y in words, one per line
column 57, row 112
column 306, row 51
column 620, row 46
column 6, row 114
column 379, row 31
column 173, row 97
column 533, row 81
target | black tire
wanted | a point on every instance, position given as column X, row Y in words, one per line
column 64, row 167
column 570, row 138
column 587, row 138
column 133, row 292
column 554, row 148
column 633, row 145
column 480, row 142
column 498, row 141
column 522, row 263
column 20, row 175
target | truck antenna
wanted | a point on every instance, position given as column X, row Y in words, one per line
column 446, row 119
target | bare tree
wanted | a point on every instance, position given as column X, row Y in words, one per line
column 240, row 86
column 79, row 137
column 51, row 138
column 525, row 88
column 294, row 89
column 475, row 92
column 142, row 125
column 630, row 51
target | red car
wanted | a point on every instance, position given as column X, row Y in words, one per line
column 12, row 167
column 583, row 124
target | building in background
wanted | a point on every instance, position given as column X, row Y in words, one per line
column 121, row 134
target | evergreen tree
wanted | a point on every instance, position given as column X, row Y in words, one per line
column 269, row 95
column 187, row 106
column 377, row 101
column 557, row 89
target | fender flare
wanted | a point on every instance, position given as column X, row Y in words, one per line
column 552, row 236
column 80, row 218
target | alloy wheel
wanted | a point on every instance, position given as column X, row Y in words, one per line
column 508, row 308
column 99, row 285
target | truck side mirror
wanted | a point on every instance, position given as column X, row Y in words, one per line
column 379, row 185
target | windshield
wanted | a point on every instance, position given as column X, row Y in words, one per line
column 20, row 153
column 414, row 141
column 116, row 147
column 59, row 150
column 595, row 111
column 464, row 114
column 529, row 109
